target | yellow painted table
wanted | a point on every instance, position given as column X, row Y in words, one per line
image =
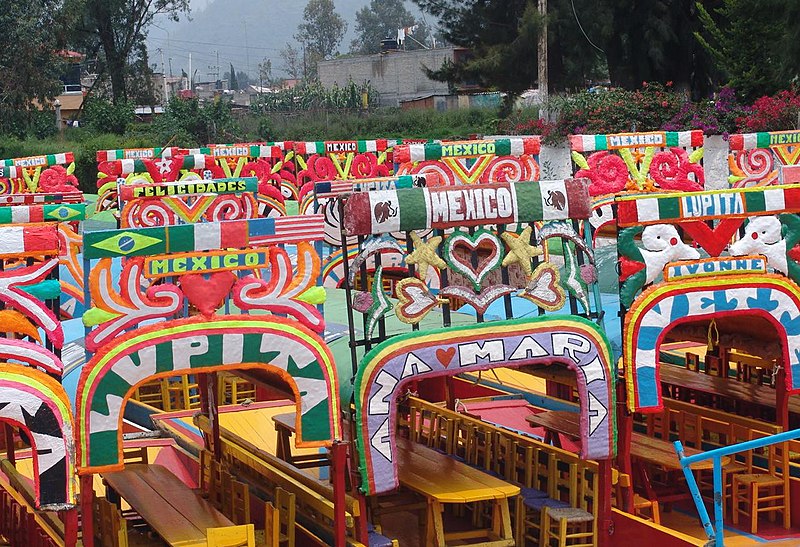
column 442, row 480
column 174, row 511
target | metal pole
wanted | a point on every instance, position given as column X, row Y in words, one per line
column 338, row 470
column 718, row 500
column 696, row 497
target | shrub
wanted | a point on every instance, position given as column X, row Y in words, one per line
column 714, row 117
column 187, row 122
column 102, row 116
column 776, row 113
column 615, row 110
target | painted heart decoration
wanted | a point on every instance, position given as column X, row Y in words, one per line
column 207, row 292
column 445, row 356
column 544, row 288
column 414, row 300
column 489, row 258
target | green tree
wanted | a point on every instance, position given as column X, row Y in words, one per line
column 753, row 44
column 233, row 82
column 377, row 21
column 502, row 37
column 29, row 63
column 634, row 41
column 116, row 29
column 292, row 62
column 265, row 73
column 321, row 31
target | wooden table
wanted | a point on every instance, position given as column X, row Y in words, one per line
column 724, row 387
column 174, row 511
column 662, row 453
column 555, row 423
column 441, row 479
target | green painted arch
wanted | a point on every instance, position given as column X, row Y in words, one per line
column 197, row 344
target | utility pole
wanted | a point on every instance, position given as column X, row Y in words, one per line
column 163, row 77
column 170, row 67
column 542, row 68
column 213, row 70
column 246, row 48
column 304, row 61
column 191, row 75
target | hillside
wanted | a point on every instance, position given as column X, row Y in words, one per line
column 243, row 32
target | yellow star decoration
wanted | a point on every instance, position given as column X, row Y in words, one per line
column 424, row 254
column 519, row 250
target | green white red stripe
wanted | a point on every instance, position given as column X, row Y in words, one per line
column 135, row 153
column 512, row 146
column 660, row 139
column 405, row 209
column 734, row 202
column 39, row 161
column 749, row 141
column 198, row 161
column 327, row 147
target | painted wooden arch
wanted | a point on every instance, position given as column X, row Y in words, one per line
column 654, row 312
column 37, row 404
column 196, row 344
column 384, row 371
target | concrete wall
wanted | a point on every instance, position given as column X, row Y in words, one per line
column 397, row 75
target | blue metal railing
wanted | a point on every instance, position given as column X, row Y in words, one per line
column 715, row 532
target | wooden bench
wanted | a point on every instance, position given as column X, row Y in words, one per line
column 266, row 472
column 517, row 458
column 174, row 511
column 49, row 521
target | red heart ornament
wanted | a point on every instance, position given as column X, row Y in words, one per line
column 445, row 355
column 207, row 292
column 713, row 241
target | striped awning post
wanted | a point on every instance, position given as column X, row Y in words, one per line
column 332, row 147
column 204, row 236
column 512, row 146
column 12, row 168
column 709, row 205
column 135, row 153
column 765, row 139
column 659, row 139
column 404, row 209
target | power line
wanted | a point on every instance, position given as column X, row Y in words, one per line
column 583, row 31
column 220, row 45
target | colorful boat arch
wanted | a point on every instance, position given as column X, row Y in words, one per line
column 197, row 344
column 384, row 371
column 654, row 312
column 37, row 404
